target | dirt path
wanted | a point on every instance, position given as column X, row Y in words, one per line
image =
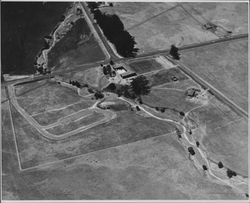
column 211, row 172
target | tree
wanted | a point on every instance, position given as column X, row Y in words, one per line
column 174, row 52
column 220, row 164
column 231, row 173
column 191, row 151
column 197, row 144
column 140, row 86
column 204, row 167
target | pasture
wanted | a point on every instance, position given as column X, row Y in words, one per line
column 77, row 47
column 166, row 76
column 152, row 168
column 45, row 95
column 143, row 66
column 84, row 119
column 156, row 26
column 224, row 134
column 169, row 98
column 52, row 116
column 224, row 66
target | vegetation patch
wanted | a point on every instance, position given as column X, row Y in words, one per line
column 50, row 96
column 113, row 29
column 172, row 99
column 73, row 125
column 167, row 76
column 145, row 66
column 78, row 46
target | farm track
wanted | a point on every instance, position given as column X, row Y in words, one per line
column 108, row 115
column 233, row 182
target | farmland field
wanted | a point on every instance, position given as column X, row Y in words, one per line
column 87, row 119
column 156, row 26
column 169, row 98
column 224, row 134
column 49, row 117
column 77, row 47
column 49, row 95
column 224, row 66
column 144, row 66
column 157, row 169
column 165, row 76
column 35, row 150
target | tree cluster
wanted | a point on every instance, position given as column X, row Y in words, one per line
column 113, row 29
column 99, row 95
column 75, row 83
column 231, row 173
column 174, row 52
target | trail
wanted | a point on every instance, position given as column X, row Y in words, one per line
column 234, row 182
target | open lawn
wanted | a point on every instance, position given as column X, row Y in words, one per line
column 87, row 119
column 224, row 66
column 144, row 66
column 224, row 135
column 77, row 47
column 52, row 116
column 165, row 76
column 169, row 98
column 48, row 96
column 126, row 128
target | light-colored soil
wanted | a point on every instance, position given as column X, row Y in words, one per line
column 224, row 66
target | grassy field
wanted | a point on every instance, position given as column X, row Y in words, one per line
column 224, row 66
column 231, row 16
column 224, row 135
column 77, row 47
column 182, row 85
column 144, row 66
column 157, row 29
column 165, row 76
column 169, row 98
column 49, row 117
column 50, row 95
column 75, row 124
column 154, row 168
column 35, row 150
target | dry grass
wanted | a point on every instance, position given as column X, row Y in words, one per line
column 48, row 96
column 144, row 66
column 224, row 66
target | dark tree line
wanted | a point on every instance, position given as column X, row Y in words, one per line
column 113, row 29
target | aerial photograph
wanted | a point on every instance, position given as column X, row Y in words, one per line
column 124, row 100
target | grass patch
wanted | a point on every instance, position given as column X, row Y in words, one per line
column 73, row 125
column 168, row 98
column 145, row 66
column 49, row 117
column 49, row 96
column 165, row 76
column 77, row 47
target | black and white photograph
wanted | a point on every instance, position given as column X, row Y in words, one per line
column 124, row 101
